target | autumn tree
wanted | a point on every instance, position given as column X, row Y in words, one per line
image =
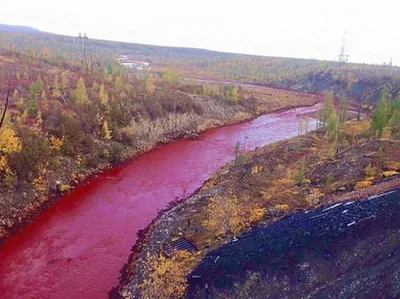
column 149, row 84
column 105, row 131
column 64, row 81
column 169, row 76
column 80, row 94
column 9, row 144
column 56, row 88
column 103, row 95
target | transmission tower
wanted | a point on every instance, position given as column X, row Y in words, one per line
column 84, row 51
column 343, row 57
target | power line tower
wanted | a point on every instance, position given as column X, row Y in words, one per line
column 343, row 57
column 83, row 51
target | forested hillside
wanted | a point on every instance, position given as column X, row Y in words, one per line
column 360, row 82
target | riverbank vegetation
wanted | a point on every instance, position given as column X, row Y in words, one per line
column 345, row 160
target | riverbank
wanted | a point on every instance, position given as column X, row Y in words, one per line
column 262, row 187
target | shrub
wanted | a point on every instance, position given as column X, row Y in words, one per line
column 330, row 180
column 314, row 198
column 392, row 165
column 300, row 177
column 256, row 169
column 256, row 214
column 389, row 173
column 166, row 276
column 116, row 152
column 32, row 157
column 225, row 215
column 281, row 207
column 363, row 184
column 370, row 171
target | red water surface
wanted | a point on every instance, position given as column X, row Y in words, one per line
column 76, row 248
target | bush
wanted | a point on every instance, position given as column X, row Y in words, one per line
column 370, row 171
column 225, row 215
column 167, row 276
column 33, row 156
column 363, row 184
column 116, row 152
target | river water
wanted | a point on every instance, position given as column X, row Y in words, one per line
column 76, row 248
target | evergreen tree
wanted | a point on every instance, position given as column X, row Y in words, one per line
column 328, row 108
column 32, row 108
column 39, row 84
column 343, row 110
column 332, row 125
column 394, row 123
column 380, row 116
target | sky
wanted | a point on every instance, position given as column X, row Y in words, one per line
column 290, row 28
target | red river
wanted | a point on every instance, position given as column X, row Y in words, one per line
column 76, row 247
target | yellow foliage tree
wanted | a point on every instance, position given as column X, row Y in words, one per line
column 9, row 143
column 56, row 88
column 64, row 80
column 105, row 131
column 80, row 93
column 103, row 95
column 149, row 84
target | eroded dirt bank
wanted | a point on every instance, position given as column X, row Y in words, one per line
column 77, row 246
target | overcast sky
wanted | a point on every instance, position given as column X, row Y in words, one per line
column 302, row 28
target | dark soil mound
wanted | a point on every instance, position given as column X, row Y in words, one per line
column 345, row 250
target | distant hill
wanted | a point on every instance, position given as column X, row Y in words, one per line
column 360, row 82
column 17, row 28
